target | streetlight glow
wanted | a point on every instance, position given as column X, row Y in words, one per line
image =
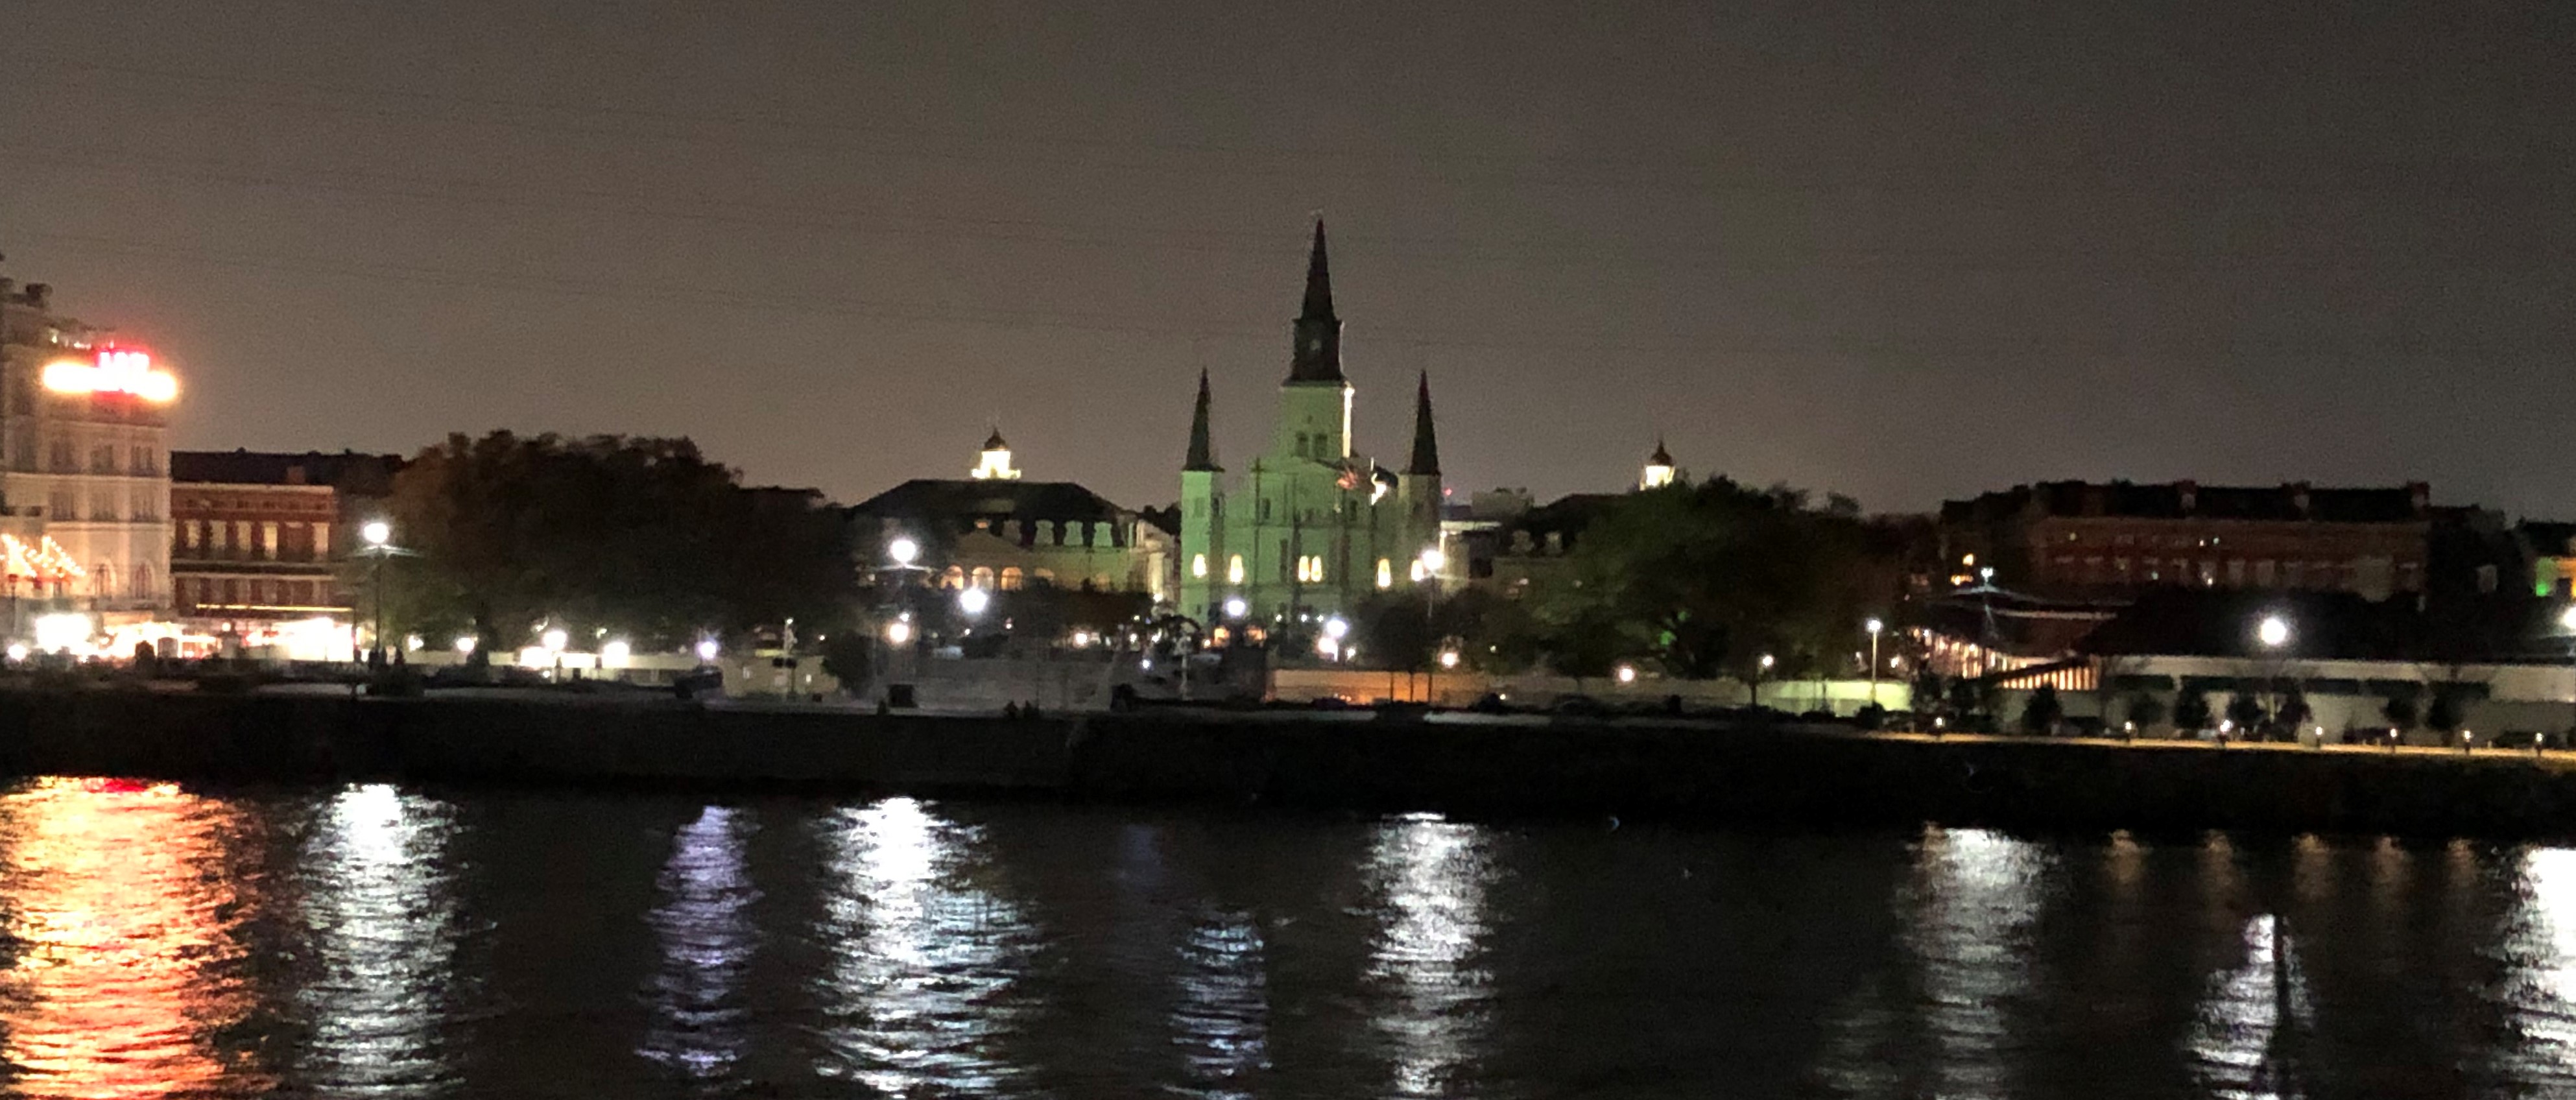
column 1337, row 628
column 1434, row 560
column 706, row 650
column 465, row 645
column 377, row 533
column 903, row 551
column 1627, row 674
column 1874, row 626
column 1448, row 658
column 2567, row 618
column 973, row 601
column 2273, row 631
column 898, row 632
column 555, row 640
column 1235, row 608
column 615, row 652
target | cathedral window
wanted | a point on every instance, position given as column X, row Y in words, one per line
column 1234, row 569
column 1198, row 566
column 1385, row 573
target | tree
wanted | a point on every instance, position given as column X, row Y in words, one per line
column 2191, row 711
column 2145, row 710
column 643, row 538
column 2400, row 711
column 1708, row 578
column 2295, row 711
column 2446, row 712
column 2039, row 715
column 2245, row 712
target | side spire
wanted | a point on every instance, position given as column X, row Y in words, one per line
column 1202, row 456
column 1426, row 441
column 1317, row 356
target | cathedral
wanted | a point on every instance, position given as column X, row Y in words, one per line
column 1309, row 527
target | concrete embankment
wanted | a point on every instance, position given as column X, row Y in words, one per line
column 1630, row 769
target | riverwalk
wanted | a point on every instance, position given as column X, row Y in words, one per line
column 1494, row 766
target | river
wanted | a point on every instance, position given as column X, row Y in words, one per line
column 381, row 942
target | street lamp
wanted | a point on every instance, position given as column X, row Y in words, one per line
column 904, row 551
column 1874, row 627
column 2273, row 632
column 1235, row 608
column 379, row 537
column 555, row 639
column 898, row 632
column 1753, row 692
column 707, row 651
column 973, row 601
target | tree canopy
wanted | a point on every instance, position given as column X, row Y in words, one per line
column 644, row 538
column 1707, row 579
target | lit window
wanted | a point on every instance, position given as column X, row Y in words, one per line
column 1385, row 573
column 1234, row 569
column 1198, row 566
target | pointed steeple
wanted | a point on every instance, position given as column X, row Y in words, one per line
column 1202, row 456
column 1319, row 279
column 1661, row 457
column 1426, row 441
column 1317, row 356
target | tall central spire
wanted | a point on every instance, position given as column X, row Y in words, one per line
column 1426, row 442
column 1202, row 454
column 1317, row 356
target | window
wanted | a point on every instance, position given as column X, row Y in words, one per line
column 102, row 459
column 102, row 580
column 983, row 577
column 142, row 462
column 268, row 540
column 1385, row 573
column 1234, row 569
column 1011, row 578
column 60, row 456
column 1198, row 566
column 102, row 506
column 59, row 505
column 955, row 577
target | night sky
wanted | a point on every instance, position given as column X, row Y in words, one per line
column 1904, row 251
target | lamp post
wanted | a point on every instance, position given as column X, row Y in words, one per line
column 1753, row 691
column 1874, row 627
column 901, row 551
column 1433, row 561
column 555, row 639
column 379, row 536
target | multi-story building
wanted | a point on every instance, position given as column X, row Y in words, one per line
column 1310, row 526
column 998, row 530
column 2107, row 541
column 262, row 538
column 83, row 421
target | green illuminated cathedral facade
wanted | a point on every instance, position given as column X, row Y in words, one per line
column 1309, row 527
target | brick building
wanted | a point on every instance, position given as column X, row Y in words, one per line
column 2094, row 541
column 263, row 537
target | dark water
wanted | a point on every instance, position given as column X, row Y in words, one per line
column 384, row 943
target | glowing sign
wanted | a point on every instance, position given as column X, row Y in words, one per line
column 118, row 370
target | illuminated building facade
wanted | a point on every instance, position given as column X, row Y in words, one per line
column 83, row 427
column 1309, row 528
column 998, row 530
column 262, row 537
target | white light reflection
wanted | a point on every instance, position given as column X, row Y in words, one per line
column 380, row 909
column 2251, row 1015
column 704, row 925
column 1432, row 875
column 922, row 960
column 1967, row 917
column 2538, row 992
column 1222, row 1018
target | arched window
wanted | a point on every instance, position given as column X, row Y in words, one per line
column 1043, row 578
column 1385, row 573
column 1198, row 566
column 103, row 580
column 1234, row 569
column 1011, row 578
column 1100, row 583
column 955, row 577
column 983, row 577
column 143, row 586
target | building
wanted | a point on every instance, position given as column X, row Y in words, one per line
column 998, row 530
column 259, row 538
column 83, row 427
column 1308, row 527
column 1505, row 540
column 2080, row 540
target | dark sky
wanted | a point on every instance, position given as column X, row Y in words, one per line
column 1904, row 251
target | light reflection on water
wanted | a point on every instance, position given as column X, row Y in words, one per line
column 923, row 958
column 160, row 942
column 1432, row 876
column 703, row 923
column 125, row 913
column 379, row 908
